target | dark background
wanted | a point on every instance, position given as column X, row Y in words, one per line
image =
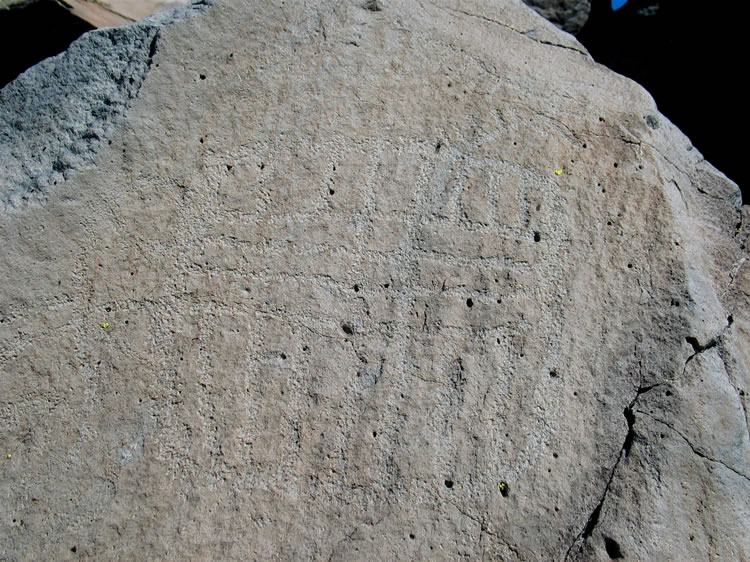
column 33, row 33
column 689, row 55
column 692, row 57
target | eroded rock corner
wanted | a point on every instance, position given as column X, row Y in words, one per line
column 55, row 117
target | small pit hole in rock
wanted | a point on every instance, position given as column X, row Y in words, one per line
column 449, row 484
column 615, row 164
column 469, row 302
column 283, row 355
column 630, row 266
column 504, row 489
column 347, row 329
column 553, row 373
column 412, row 536
column 74, row 549
column 374, row 433
column 537, row 237
column 613, row 549
column 730, row 320
column 331, row 191
column 203, row 76
column 356, row 288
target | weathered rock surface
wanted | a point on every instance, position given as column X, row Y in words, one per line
column 339, row 281
column 569, row 15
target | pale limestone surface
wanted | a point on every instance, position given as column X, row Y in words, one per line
column 422, row 282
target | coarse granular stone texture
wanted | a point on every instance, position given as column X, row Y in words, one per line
column 569, row 15
column 394, row 280
column 54, row 119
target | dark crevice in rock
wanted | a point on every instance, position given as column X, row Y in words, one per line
column 593, row 520
column 630, row 417
column 373, row 6
column 697, row 347
column 543, row 42
column 594, row 517
column 152, row 48
column 613, row 549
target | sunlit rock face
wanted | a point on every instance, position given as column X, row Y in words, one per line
column 347, row 280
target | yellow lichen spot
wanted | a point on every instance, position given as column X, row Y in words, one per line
column 105, row 325
column 9, row 455
column 504, row 489
column 558, row 172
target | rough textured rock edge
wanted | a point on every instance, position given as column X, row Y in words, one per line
column 56, row 115
column 569, row 15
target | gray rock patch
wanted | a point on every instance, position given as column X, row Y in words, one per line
column 55, row 116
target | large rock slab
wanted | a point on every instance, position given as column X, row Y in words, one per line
column 348, row 280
